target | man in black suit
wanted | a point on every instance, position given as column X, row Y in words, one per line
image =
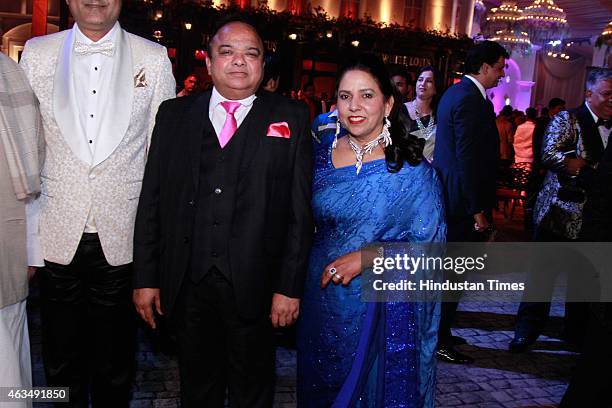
column 466, row 157
column 588, row 388
column 224, row 224
column 573, row 143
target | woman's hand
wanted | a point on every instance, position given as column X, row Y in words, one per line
column 342, row 270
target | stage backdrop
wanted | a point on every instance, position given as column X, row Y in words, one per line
column 560, row 78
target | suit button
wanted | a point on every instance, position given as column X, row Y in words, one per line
column 186, row 240
column 216, row 224
column 218, row 191
column 214, row 254
column 92, row 176
column 192, row 203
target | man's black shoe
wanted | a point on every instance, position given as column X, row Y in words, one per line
column 457, row 341
column 520, row 344
column 450, row 355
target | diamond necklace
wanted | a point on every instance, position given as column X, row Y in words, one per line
column 360, row 151
column 426, row 131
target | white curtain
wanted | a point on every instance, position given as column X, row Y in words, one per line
column 560, row 78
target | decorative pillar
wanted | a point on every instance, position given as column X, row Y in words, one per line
column 348, row 9
column 466, row 17
column 39, row 18
column 295, row 6
column 437, row 15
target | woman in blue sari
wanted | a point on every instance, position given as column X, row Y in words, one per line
column 370, row 186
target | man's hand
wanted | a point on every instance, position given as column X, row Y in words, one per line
column 144, row 299
column 285, row 310
column 573, row 166
column 31, row 272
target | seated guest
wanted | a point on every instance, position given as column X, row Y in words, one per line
column 370, row 186
column 422, row 109
column 523, row 138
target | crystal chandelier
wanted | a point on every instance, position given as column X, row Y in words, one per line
column 544, row 21
column 606, row 36
column 514, row 40
column 504, row 24
column 504, row 16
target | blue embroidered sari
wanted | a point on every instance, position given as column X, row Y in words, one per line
column 356, row 354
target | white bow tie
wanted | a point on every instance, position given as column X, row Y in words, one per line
column 105, row 48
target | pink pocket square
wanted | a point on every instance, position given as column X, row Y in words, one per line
column 279, row 129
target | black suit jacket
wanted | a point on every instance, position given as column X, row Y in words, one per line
column 597, row 211
column 271, row 230
column 467, row 150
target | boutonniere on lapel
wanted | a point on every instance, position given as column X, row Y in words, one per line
column 140, row 81
column 279, row 129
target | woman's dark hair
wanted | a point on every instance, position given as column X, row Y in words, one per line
column 437, row 81
column 405, row 147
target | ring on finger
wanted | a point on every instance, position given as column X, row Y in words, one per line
column 338, row 276
column 332, row 271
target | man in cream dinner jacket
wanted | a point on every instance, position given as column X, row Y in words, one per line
column 99, row 88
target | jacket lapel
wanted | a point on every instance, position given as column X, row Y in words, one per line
column 197, row 123
column 118, row 109
column 254, row 126
column 591, row 139
column 65, row 109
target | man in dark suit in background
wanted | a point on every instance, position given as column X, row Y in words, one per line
column 588, row 388
column 224, row 224
column 466, row 157
column 573, row 143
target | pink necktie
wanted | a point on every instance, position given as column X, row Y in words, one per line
column 230, row 125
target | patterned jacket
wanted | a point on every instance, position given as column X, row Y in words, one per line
column 560, row 202
column 107, row 183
